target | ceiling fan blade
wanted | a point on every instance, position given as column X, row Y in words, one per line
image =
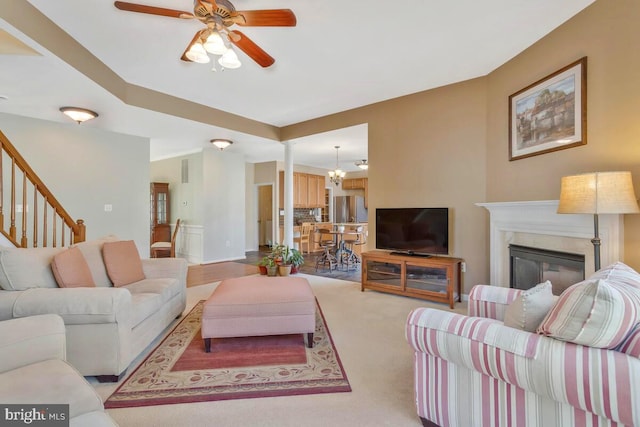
column 152, row 10
column 265, row 18
column 252, row 50
column 195, row 39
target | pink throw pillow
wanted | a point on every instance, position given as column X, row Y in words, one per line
column 71, row 269
column 122, row 261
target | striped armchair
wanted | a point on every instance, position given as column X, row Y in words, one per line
column 474, row 371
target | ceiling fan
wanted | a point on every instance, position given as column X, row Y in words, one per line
column 218, row 16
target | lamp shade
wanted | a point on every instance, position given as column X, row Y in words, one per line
column 598, row 193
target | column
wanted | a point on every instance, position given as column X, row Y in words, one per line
column 288, row 193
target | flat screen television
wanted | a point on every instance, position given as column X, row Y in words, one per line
column 413, row 231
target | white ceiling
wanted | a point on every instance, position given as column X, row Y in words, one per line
column 341, row 55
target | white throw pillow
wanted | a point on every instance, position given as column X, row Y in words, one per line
column 528, row 310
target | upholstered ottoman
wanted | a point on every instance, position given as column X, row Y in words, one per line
column 259, row 305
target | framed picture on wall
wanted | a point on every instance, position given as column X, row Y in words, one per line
column 550, row 114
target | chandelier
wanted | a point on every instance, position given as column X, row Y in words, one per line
column 338, row 174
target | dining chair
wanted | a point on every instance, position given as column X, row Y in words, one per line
column 166, row 248
column 304, row 237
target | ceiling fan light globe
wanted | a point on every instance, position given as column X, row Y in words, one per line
column 214, row 44
column 229, row 60
column 196, row 53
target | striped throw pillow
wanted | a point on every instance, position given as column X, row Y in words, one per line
column 631, row 344
column 598, row 312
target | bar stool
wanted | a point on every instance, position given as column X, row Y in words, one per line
column 326, row 242
column 349, row 256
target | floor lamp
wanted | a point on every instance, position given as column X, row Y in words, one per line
column 597, row 193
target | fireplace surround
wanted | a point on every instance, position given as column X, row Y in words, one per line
column 537, row 224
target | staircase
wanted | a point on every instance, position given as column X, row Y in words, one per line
column 30, row 216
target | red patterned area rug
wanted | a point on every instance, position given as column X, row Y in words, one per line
column 179, row 370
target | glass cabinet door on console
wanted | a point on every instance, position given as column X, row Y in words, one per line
column 431, row 279
column 384, row 273
column 160, row 228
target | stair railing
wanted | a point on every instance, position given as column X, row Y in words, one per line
column 34, row 212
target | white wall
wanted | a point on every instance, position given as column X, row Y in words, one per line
column 224, row 205
column 86, row 168
column 212, row 205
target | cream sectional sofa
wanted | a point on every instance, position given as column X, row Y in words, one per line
column 107, row 327
column 33, row 372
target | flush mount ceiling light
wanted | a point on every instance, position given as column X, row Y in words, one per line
column 221, row 143
column 362, row 164
column 79, row 114
column 338, row 174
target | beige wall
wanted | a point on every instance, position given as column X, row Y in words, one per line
column 607, row 33
column 427, row 149
column 449, row 146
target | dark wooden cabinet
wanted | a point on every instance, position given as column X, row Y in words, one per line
column 160, row 227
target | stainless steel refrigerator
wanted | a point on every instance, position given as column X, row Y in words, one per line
column 349, row 209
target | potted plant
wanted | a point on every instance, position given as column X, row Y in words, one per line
column 284, row 254
column 296, row 260
column 262, row 265
column 272, row 267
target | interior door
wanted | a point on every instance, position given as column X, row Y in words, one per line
column 265, row 214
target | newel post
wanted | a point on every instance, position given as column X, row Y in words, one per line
column 79, row 234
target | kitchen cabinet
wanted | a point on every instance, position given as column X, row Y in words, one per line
column 300, row 190
column 354, row 183
column 160, row 228
column 308, row 190
column 366, row 193
column 316, row 191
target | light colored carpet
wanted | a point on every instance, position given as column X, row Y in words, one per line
column 368, row 331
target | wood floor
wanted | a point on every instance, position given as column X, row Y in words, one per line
column 207, row 273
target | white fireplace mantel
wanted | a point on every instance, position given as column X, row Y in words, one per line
column 509, row 220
